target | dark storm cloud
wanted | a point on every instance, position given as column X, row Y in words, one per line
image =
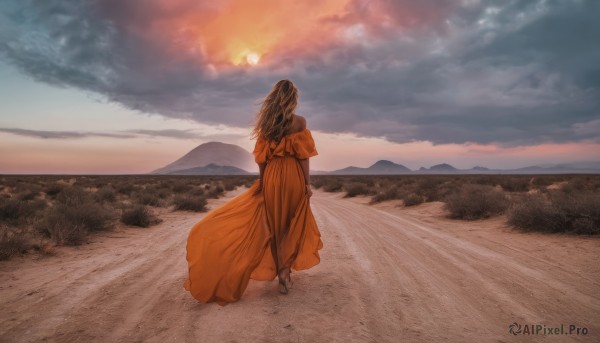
column 510, row 72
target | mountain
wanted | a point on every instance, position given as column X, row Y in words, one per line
column 444, row 167
column 211, row 169
column 381, row 167
column 216, row 153
column 384, row 167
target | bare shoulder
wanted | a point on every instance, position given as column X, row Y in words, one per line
column 300, row 122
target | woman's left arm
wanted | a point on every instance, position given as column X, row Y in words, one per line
column 261, row 168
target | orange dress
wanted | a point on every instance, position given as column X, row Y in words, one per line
column 255, row 236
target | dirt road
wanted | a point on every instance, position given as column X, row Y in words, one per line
column 387, row 274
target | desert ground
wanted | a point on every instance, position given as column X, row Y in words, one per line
column 387, row 274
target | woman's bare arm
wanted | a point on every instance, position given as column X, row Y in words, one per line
column 305, row 170
column 261, row 168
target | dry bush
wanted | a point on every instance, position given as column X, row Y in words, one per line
column 333, row 185
column 391, row 193
column 73, row 216
column 215, row 191
column 71, row 224
column 559, row 212
column 25, row 196
column 52, row 189
column 181, row 187
column 428, row 187
column 356, row 188
column 139, row 215
column 317, row 181
column 106, row 195
column 198, row 192
column 489, row 180
column 148, row 197
column 190, row 203
column 230, row 184
column 475, row 202
column 575, row 185
column 18, row 212
column 125, row 188
column 412, row 199
column 515, row 183
column 12, row 243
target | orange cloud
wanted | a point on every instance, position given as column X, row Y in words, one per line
column 242, row 32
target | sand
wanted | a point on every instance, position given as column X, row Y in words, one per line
column 387, row 274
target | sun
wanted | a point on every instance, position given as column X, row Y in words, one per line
column 252, row 58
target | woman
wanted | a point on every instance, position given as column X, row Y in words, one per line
column 269, row 229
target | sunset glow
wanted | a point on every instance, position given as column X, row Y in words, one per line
column 252, row 58
column 244, row 31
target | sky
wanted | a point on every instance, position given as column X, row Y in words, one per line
column 110, row 86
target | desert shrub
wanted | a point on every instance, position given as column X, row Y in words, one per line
column 356, row 188
column 139, row 215
column 106, row 195
column 181, row 187
column 215, row 191
column 534, row 213
column 73, row 216
column 568, row 212
column 163, row 193
column 317, row 182
column 391, row 193
column 198, row 192
column 190, row 203
column 125, row 188
column 28, row 194
column 447, row 188
column 428, row 188
column 230, row 184
column 475, row 201
column 412, row 199
column 148, row 197
column 575, row 185
column 11, row 243
column 14, row 211
column 518, row 183
column 10, row 210
column 368, row 181
column 489, row 180
column 52, row 189
column 333, row 185
column 73, row 196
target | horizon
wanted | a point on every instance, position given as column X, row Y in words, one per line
column 104, row 88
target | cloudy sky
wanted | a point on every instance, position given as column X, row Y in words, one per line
column 111, row 86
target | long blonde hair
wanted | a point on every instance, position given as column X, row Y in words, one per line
column 274, row 119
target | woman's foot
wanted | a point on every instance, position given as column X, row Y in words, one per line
column 285, row 281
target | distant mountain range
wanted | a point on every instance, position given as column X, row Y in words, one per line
column 216, row 158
